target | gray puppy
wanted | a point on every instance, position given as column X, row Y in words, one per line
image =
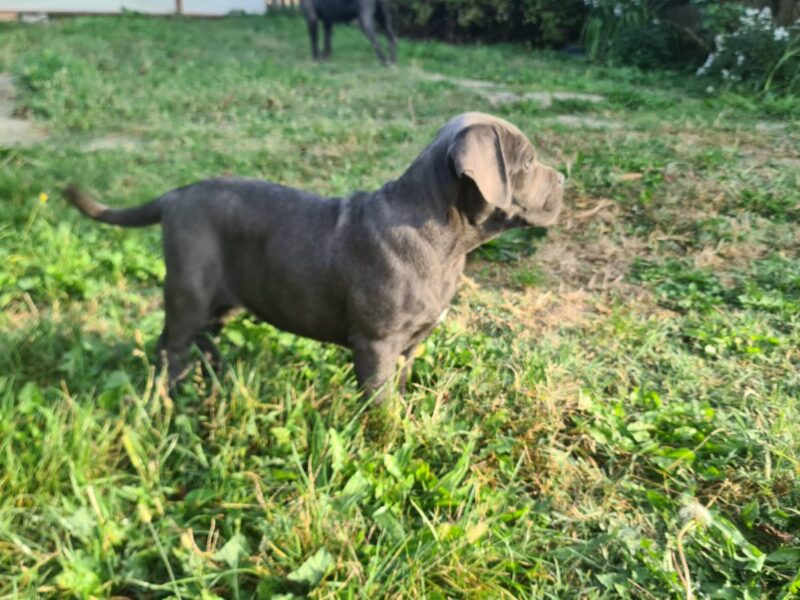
column 373, row 272
column 368, row 12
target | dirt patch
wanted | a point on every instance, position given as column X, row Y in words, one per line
column 471, row 84
column 587, row 122
column 729, row 254
column 536, row 311
column 585, row 259
column 600, row 263
column 767, row 162
column 14, row 131
column 544, row 99
column 589, row 249
column 770, row 126
column 540, row 311
column 498, row 95
column 111, row 142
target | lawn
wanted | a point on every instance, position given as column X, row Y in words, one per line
column 611, row 409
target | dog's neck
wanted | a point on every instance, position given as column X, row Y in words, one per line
column 426, row 197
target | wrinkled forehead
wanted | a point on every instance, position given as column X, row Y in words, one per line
column 513, row 135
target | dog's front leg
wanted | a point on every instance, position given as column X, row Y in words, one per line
column 375, row 362
column 405, row 368
column 313, row 33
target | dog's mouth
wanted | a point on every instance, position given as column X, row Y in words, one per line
column 518, row 221
column 543, row 216
column 552, row 208
column 542, row 205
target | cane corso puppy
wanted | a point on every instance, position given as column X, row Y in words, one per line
column 368, row 12
column 374, row 271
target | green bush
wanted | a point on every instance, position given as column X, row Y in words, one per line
column 751, row 49
column 615, row 26
column 536, row 22
column 741, row 45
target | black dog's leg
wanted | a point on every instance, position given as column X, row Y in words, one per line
column 313, row 34
column 367, row 22
column 385, row 22
column 328, row 25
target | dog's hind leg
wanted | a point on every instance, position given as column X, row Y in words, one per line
column 385, row 22
column 205, row 344
column 186, row 320
column 367, row 22
column 205, row 340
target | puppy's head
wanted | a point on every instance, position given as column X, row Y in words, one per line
column 498, row 170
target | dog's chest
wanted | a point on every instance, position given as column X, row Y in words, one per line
column 431, row 299
column 407, row 304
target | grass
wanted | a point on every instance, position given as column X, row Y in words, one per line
column 610, row 410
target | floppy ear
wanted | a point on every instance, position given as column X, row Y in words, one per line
column 477, row 157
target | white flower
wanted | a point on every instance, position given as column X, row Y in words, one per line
column 704, row 69
column 726, row 74
column 694, row 511
column 719, row 41
column 710, row 89
column 618, row 10
column 780, row 34
column 739, row 59
column 751, row 12
column 765, row 14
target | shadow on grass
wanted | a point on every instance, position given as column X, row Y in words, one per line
column 46, row 349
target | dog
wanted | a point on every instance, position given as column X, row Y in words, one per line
column 368, row 13
column 373, row 271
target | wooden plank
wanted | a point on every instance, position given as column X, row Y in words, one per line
column 90, row 6
column 187, row 7
column 222, row 7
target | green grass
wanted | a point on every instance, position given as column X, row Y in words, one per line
column 610, row 410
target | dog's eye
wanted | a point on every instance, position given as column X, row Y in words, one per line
column 527, row 166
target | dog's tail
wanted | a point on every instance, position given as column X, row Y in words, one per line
column 136, row 216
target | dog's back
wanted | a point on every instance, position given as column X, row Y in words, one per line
column 336, row 11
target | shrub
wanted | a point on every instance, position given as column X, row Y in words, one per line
column 741, row 45
column 752, row 50
column 536, row 22
column 615, row 25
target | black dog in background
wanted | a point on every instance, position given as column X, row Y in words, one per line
column 368, row 12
